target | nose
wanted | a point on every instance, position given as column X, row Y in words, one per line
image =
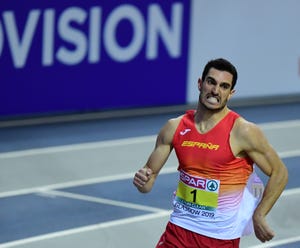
column 215, row 90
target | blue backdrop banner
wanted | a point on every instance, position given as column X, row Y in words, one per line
column 70, row 56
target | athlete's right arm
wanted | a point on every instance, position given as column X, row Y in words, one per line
column 145, row 177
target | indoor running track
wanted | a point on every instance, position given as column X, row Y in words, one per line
column 70, row 185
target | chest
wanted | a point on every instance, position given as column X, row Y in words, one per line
column 212, row 148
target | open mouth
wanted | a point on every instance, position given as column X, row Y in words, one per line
column 212, row 99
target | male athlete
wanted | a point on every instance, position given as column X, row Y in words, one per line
column 216, row 150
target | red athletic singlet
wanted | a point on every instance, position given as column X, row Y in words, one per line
column 212, row 180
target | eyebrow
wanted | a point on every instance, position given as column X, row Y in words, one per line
column 211, row 78
column 214, row 80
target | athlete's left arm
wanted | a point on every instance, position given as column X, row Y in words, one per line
column 253, row 142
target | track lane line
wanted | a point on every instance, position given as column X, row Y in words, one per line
column 120, row 142
column 130, row 220
column 84, row 182
column 277, row 242
column 102, row 225
column 100, row 200
column 111, row 178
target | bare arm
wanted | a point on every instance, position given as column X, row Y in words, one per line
column 145, row 177
column 256, row 146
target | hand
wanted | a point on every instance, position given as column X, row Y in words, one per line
column 142, row 177
column 262, row 229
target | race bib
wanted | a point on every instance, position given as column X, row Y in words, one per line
column 198, row 191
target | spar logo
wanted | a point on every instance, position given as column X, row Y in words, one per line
column 195, row 182
column 76, row 34
column 200, row 183
column 212, row 185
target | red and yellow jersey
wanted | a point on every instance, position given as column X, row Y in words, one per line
column 209, row 155
column 212, row 180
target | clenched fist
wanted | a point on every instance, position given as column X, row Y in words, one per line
column 141, row 178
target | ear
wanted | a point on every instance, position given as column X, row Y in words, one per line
column 200, row 84
column 231, row 94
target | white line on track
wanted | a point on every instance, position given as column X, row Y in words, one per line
column 125, row 221
column 100, row 200
column 289, row 154
column 110, row 178
column 121, row 142
column 50, row 189
column 78, row 147
column 284, row 154
column 280, row 124
column 277, row 242
column 86, row 229
column 289, row 192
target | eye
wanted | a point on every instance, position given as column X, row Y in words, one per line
column 210, row 80
column 225, row 86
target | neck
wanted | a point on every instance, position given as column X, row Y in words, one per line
column 203, row 113
column 205, row 119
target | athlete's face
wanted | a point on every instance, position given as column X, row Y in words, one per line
column 215, row 90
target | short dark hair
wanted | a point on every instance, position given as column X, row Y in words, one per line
column 222, row 65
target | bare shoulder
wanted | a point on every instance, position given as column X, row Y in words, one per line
column 244, row 127
column 248, row 133
column 250, row 140
column 174, row 122
column 167, row 132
